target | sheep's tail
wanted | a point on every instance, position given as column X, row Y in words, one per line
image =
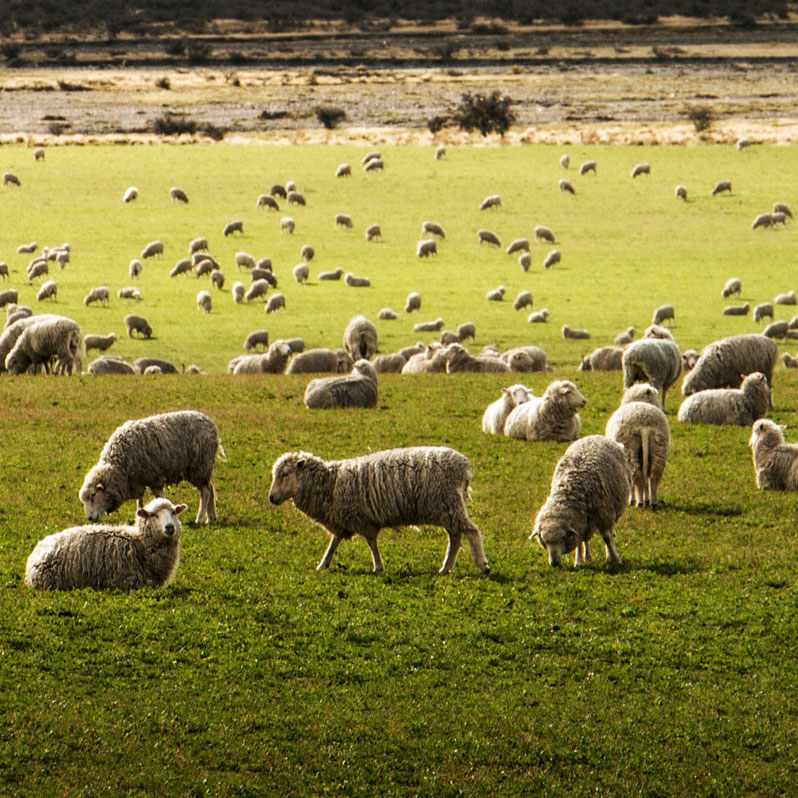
column 220, row 452
column 645, row 455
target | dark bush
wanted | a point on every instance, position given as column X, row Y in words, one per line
column 163, row 83
column 173, row 125
column 212, row 131
column 702, row 117
column 330, row 116
column 10, row 50
column 176, row 47
column 487, row 114
column 198, row 51
column 436, row 123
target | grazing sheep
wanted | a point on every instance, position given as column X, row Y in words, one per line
column 566, row 185
column 587, row 166
column 553, row 257
column 413, row 302
column 354, row 390
column 789, row 361
column 785, row 299
column 10, row 296
column 356, row 282
column 10, row 179
column 275, row 303
column 782, row 207
column 278, row 191
column 37, row 268
column 204, row 301
column 238, row 293
column 370, row 156
column 775, row 461
column 426, row 248
column 387, row 314
column 641, row 428
column 543, row 233
column 495, row 415
column 373, row 165
column 244, row 260
column 571, row 334
column 49, row 290
column 295, row 198
column 152, row 453
column 432, row 229
column 267, row 201
column 38, row 154
column 131, row 194
column 315, row 361
column 360, row 338
column 373, row 232
column 258, row 290
column 491, row 201
column 554, row 417
column 523, row 300
column 343, row 220
column 307, row 252
column 273, row 362
column 778, row 329
column 42, row 340
column 488, row 237
column 396, row 487
column 779, row 218
column 287, row 225
column 236, row 226
column 440, row 152
column 217, row 279
column 743, row 143
column 263, row 274
column 763, row 220
column 728, row 406
column 539, row 316
column 99, row 294
column 737, row 310
column 181, row 267
column 625, row 337
column 99, row 342
column 657, row 361
column 429, row 326
column 301, row 272
column 605, row 358
column 14, row 330
column 734, row 285
column 152, row 250
column 525, row 261
column 565, row 160
column 641, row 169
column 20, row 313
column 723, row 185
column 518, row 245
column 178, row 195
column 334, row 275
column 496, row 294
column 392, row 363
column 459, row 360
column 590, row 489
column 344, row 170
column 466, row 330
column 662, row 314
column 722, row 362
column 198, row 245
column 765, row 309
column 681, row 192
column 107, row 364
column 141, row 365
column 256, row 339
column 135, row 269
column 124, row 557
column 137, row 324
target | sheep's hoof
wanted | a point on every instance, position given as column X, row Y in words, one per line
column 485, row 569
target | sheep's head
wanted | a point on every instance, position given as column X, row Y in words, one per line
column 365, row 369
column 555, row 537
column 159, row 519
column 286, row 473
column 567, row 394
column 766, row 431
column 17, row 361
column 99, row 494
column 642, row 392
column 755, row 381
column 518, row 394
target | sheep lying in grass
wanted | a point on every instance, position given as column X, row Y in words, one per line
column 495, row 415
column 108, row 364
column 431, row 360
column 571, row 334
column 728, row 406
column 164, row 366
column 128, row 292
column 355, row 281
column 539, row 316
column 775, row 462
column 553, row 417
column 590, row 489
column 605, row 358
column 459, row 360
column 152, row 453
column 125, row 557
column 496, row 294
column 273, row 362
column 392, row 363
column 316, row 361
column 397, row 487
column 356, row 389
column 737, row 310
column 786, row 299
column 535, row 359
column 331, row 275
column 625, row 337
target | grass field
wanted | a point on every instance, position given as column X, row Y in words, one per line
column 255, row 675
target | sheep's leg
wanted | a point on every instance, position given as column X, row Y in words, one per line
column 206, row 497
column 588, row 557
column 579, row 558
column 455, row 539
column 328, row 555
column 464, row 526
column 609, row 545
column 375, row 554
column 211, row 503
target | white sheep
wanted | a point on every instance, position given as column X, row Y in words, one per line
column 267, row 201
column 373, row 232
column 238, row 293
column 199, row 244
column 458, row 360
column 720, row 187
column 307, row 253
column 344, row 170
column 131, row 194
column 135, row 269
column 789, row 361
column 681, row 192
column 99, row 294
column 662, row 314
column 523, row 300
column 782, row 207
column 525, row 261
column 204, row 301
column 734, row 285
column 553, row 258
column 355, row 281
column 432, row 229
column 491, row 201
column 373, row 165
column 518, row 245
column 370, row 156
column 236, row 226
column 466, row 330
column 565, row 160
column 287, row 225
column 785, row 299
column 775, row 461
column 217, row 279
column 488, row 237
column 331, row 275
column 301, row 272
column 587, row 166
column 543, row 233
column 765, row 309
column 99, row 342
column 553, row 417
column 49, row 290
column 255, row 339
column 496, row 294
column 152, row 250
column 428, row 326
column 178, row 195
column 387, row 314
column 566, row 186
column 572, row 334
column 258, row 290
column 652, row 359
column 27, row 248
column 273, row 362
column 737, row 310
column 539, row 316
column 137, row 324
column 360, row 338
column 495, row 415
column 38, row 154
column 728, row 406
column 426, row 247
column 625, row 337
column 641, row 169
column 276, row 302
column 44, row 340
column 440, row 152
column 604, row 358
column 413, row 302
column 37, row 268
column 358, row 389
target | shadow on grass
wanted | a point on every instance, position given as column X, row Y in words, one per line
column 699, row 508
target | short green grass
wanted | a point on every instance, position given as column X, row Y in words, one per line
column 253, row 674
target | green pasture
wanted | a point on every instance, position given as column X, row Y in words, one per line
column 253, row 675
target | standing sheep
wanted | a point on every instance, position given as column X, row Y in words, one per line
column 466, row 330
column 344, row 170
column 124, row 557
column 199, row 244
column 137, row 324
column 276, row 302
column 131, row 194
column 657, row 361
column 625, row 337
column 397, row 487
column 373, row 232
column 426, row 248
column 152, row 250
column 641, row 169
column 662, row 314
column 238, row 293
column 765, row 309
column 152, row 453
column 44, row 340
column 775, row 462
column 343, row 220
column 236, row 226
column 488, row 237
column 552, row 259
column 204, row 301
column 728, row 406
column 518, row 245
column 525, row 261
column 135, row 269
column 360, row 338
column 49, row 290
column 566, row 186
column 99, row 294
column 178, row 195
column 267, row 201
column 681, row 192
column 543, row 233
column 356, row 389
column 723, row 185
column 491, row 201
column 99, row 342
column 432, row 229
column 587, row 166
column 523, row 300
column 287, row 225
column 301, row 272
column 258, row 290
column 256, row 339
column 590, row 489
column 734, row 285
column 413, row 302
column 553, row 417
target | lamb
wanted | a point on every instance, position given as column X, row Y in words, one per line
column 99, row 342
column 43, row 340
column 287, row 225
column 722, row 362
column 459, row 360
column 554, row 417
column 276, row 302
column 433, row 229
column 728, row 406
column 785, row 299
column 518, row 245
column 258, row 290
column 496, row 294
column 641, row 169
column 413, row 302
column 152, row 250
column 737, row 310
column 301, row 272
column 343, row 220
column 537, row 358
column 236, row 226
column 590, row 489
column 344, row 170
column 356, row 282
column 387, row 314
column 135, row 269
column 625, row 337
column 373, row 232
column 10, row 179
column 495, row 415
column 315, row 361
column 662, row 314
column 373, row 165
column 102, row 556
column 238, row 293
column 332, row 275
column 152, row 453
column 539, row 317
column 356, row 389
column 734, row 285
column 429, row 326
column 466, row 330
column 571, row 334
column 789, row 361
column 605, row 358
column 723, row 185
column 426, row 248
column 587, row 166
column 131, row 194
column 523, row 300
column 488, row 237
column 360, row 338
column 566, row 186
column 640, row 426
column 164, row 366
column 178, row 195
column 763, row 220
column 204, row 301
column 396, row 487
column 392, row 363
column 105, row 364
column 267, row 201
column 525, row 261
column 543, row 233
column 491, row 201
column 137, row 324
column 775, row 461
column 49, row 290
column 681, row 192
column 654, row 360
column 99, row 294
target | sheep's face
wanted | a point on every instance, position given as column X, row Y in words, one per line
column 755, row 381
column 764, row 428
column 566, row 393
column 160, row 518
column 96, row 494
column 285, row 474
column 17, row 362
column 556, row 540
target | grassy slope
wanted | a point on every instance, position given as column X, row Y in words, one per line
column 255, row 675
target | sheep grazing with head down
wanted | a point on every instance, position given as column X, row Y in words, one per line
column 722, row 186
column 491, row 201
column 178, row 195
column 728, row 406
column 765, row 309
column 137, row 324
column 152, row 250
column 236, row 226
column 396, row 487
column 373, row 232
column 775, row 461
column 413, row 302
column 131, row 194
column 360, row 338
column 276, row 302
column 625, row 337
column 44, row 341
column 356, row 389
column 641, row 169
column 655, row 359
column 495, row 415
column 101, row 556
column 590, row 489
column 734, row 285
column 152, row 453
column 553, row 417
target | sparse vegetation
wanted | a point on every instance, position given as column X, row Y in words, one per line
column 330, row 116
column 702, row 117
column 486, row 113
column 163, row 83
column 173, row 125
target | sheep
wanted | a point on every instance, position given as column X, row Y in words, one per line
column 641, row 169
column 775, row 461
column 27, row 248
column 193, row 368
column 178, row 195
column 38, row 154
column 331, row 275
column 495, row 415
column 657, row 361
column 537, row 358
column 590, row 489
column 466, row 330
column 543, row 233
column 102, row 556
column 320, row 360
column 343, row 220
column 204, row 266
column 587, row 166
column 20, row 313
column 525, row 261
column 267, row 201
column 99, row 342
column 605, row 358
column 137, row 324
column 428, row 326
column 244, row 260
column 358, row 389
column 737, row 310
column 785, row 299
column 782, row 207
column 344, row 170
column 440, row 153
column 722, row 362
column 779, row 218
column 136, row 268
column 273, row 362
column 360, row 338
column 356, row 282
column 734, row 285
column 763, row 220
column 491, row 201
column 217, row 279
column 370, row 156
column 625, row 337
column 278, row 191
column 681, row 192
column 258, row 290
column 141, row 365
column 571, row 334
column 238, row 293
column 287, row 225
column 433, row 229
column 518, row 245
column 8, row 297
column 523, row 300
column 10, row 179
column 662, row 314
column 552, row 258
column 275, row 303
column 131, row 194
column 38, row 268
column 743, row 143
column 395, row 487
column 106, row 364
column 518, row 360
column 307, row 252
column 413, row 302
column 204, row 301
column 432, row 360
column 565, row 160
column 459, row 360
column 49, row 290
column 539, row 317
column 778, row 329
column 566, row 185
column 42, row 340
column 198, row 245
column 728, row 406
column 426, row 248
column 14, row 330
column 723, row 185
column 154, row 452
column 62, row 258
column 373, row 165
column 789, row 361
column 496, row 294
column 255, row 339
column 640, row 426
column 236, row 226
column 373, row 232
column 488, row 237
column 295, row 198
column 765, row 309
column 387, row 314
column 181, row 267
column 392, row 363
column 99, row 294
column 554, row 417
column 153, row 250
column 301, row 272
column 408, row 351
column 152, row 371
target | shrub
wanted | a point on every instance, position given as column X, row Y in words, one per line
column 198, row 51
column 176, row 47
column 436, row 123
column 173, row 125
column 212, row 131
column 702, row 117
column 330, row 116
column 10, row 50
column 487, row 114
column 163, row 83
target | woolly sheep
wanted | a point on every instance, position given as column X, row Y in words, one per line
column 98, row 556
column 426, row 248
column 258, row 290
column 301, row 272
column 722, row 362
column 295, row 198
column 99, row 342
column 14, row 330
column 204, row 301
column 278, row 191
column 466, row 330
column 539, row 316
column 397, row 487
column 590, row 489
column 662, row 314
column 432, row 229
column 238, row 293
column 537, row 358
column 657, row 361
column 10, row 179
column 459, row 360
column 543, row 233
column 244, row 260
column 45, row 339
column 356, row 389
column 525, row 261
column 728, row 406
column 315, row 361
column 106, row 364
column 131, row 194
column 566, row 185
column 387, row 314
column 360, row 338
column 273, row 362
column 373, row 232
column 137, row 324
column 178, row 195
column 571, row 334
column 38, row 154
column 152, row 250
column 344, row 170
column 99, row 294
column 495, row 415
column 779, row 218
column 641, row 169
column 413, row 302
column 135, row 269
column 373, row 165
column 49, row 290
column 428, row 326
column 198, row 245
column 723, row 185
column 518, row 245
column 789, row 361
column 36, row 269
column 408, row 351
column 553, row 258
column 643, row 431
column 217, row 279
column 307, row 252
column 743, row 143
column 432, row 360
column 778, row 329
column 151, row 371
column 775, row 461
column 275, row 303
column 204, row 266
column 782, row 207
column 763, row 220
column 554, row 417
column 181, row 267
column 141, row 365
column 765, row 309
column 356, row 282
column 587, row 166
column 565, row 161
column 734, row 285
column 332, row 275
column 518, row 360
column 604, row 358
column 154, row 452
column 27, row 248
column 370, row 156
column 392, row 363
column 236, row 226
column 785, row 299
column 488, row 237
column 737, row 310
column 287, row 225
column 681, row 192
column 440, row 152
column 625, row 337
column 9, row 296
column 19, row 313
column 343, row 220
column 267, row 201
column 255, row 339
column 491, row 201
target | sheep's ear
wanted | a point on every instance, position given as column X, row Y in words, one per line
column 179, row 508
column 506, row 391
column 300, row 464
